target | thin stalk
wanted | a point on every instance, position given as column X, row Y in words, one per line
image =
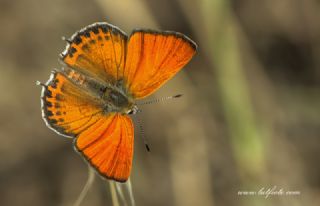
column 87, row 186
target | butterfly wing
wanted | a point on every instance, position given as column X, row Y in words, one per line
column 66, row 108
column 153, row 58
column 101, row 52
column 104, row 139
column 98, row 50
column 108, row 146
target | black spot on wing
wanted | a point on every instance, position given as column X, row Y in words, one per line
column 54, row 83
column 59, row 97
column 85, row 47
column 86, row 33
column 52, row 121
column 57, row 105
column 95, row 30
column 48, row 104
column 49, row 113
column 48, row 93
column 104, row 28
column 77, row 40
column 71, row 52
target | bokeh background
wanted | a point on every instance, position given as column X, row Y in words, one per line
column 249, row 118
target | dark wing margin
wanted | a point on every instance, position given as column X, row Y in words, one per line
column 154, row 57
column 108, row 146
column 178, row 35
column 99, row 50
column 67, row 109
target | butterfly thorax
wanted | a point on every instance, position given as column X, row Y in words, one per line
column 111, row 96
column 117, row 101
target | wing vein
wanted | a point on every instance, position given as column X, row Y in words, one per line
column 100, row 135
column 140, row 59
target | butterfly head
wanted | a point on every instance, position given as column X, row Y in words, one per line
column 133, row 110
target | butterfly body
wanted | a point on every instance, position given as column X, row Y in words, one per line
column 116, row 101
column 113, row 97
column 105, row 72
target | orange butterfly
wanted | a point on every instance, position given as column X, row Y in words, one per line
column 106, row 72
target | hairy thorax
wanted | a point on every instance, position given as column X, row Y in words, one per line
column 112, row 97
column 117, row 101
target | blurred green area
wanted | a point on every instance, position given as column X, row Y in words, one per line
column 249, row 118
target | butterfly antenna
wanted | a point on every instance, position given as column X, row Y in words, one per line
column 142, row 133
column 160, row 99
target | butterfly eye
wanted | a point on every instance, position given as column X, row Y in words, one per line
column 130, row 112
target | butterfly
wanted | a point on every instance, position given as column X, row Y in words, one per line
column 105, row 72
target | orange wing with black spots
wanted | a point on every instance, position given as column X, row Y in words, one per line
column 98, row 50
column 108, row 146
column 66, row 108
column 104, row 139
column 100, row 58
column 153, row 58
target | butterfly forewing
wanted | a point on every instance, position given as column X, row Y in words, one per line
column 153, row 58
column 99, row 50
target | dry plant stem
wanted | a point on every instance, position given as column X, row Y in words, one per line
column 119, row 190
column 115, row 201
column 129, row 188
column 120, row 193
column 87, row 186
column 124, row 191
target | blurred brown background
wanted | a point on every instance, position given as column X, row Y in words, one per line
column 249, row 118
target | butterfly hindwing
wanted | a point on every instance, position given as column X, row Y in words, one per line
column 104, row 139
column 66, row 108
column 108, row 146
column 153, row 58
column 99, row 50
